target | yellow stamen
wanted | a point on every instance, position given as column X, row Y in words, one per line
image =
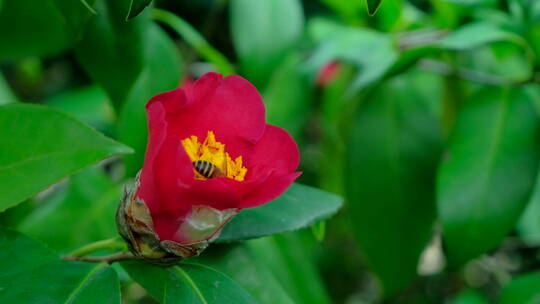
column 214, row 152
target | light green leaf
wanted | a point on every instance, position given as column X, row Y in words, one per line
column 162, row 72
column 469, row 297
column 41, row 145
column 136, row 7
column 393, row 150
column 187, row 283
column 484, row 183
column 522, row 289
column 476, row 34
column 263, row 32
column 299, row 207
column 31, row 273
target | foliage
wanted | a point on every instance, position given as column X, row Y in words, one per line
column 421, row 114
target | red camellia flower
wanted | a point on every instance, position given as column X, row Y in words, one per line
column 210, row 154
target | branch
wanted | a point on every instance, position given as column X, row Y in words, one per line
column 109, row 259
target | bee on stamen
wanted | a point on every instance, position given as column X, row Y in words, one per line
column 207, row 169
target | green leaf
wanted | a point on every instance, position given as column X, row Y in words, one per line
column 373, row 53
column 484, row 183
column 522, row 289
column 89, row 104
column 111, row 49
column 393, row 151
column 470, row 296
column 31, row 273
column 263, row 32
column 195, row 40
column 75, row 14
column 87, row 205
column 136, row 7
column 40, row 145
column 187, row 283
column 291, row 261
column 161, row 58
column 299, row 207
column 373, row 6
column 529, row 224
column 287, row 97
column 241, row 264
column 476, row 34
column 25, row 39
column 6, row 95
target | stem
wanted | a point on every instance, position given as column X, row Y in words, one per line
column 109, row 259
column 109, row 244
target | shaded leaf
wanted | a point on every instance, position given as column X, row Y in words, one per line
column 31, row 273
column 24, row 40
column 75, row 14
column 111, row 49
column 187, row 283
column 40, row 145
column 87, row 206
column 136, row 7
column 373, row 6
column 299, row 207
column 524, row 288
column 393, row 151
column 484, row 183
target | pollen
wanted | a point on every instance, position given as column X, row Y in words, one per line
column 213, row 151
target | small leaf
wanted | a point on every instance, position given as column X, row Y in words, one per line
column 187, row 283
column 522, row 289
column 136, row 7
column 373, row 6
column 31, row 273
column 299, row 207
column 40, row 145
column 484, row 183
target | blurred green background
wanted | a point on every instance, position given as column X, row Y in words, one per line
column 424, row 117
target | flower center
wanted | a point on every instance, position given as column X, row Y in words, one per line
column 209, row 159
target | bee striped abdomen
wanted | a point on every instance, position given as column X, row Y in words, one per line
column 206, row 169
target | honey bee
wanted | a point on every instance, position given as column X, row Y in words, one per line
column 207, row 169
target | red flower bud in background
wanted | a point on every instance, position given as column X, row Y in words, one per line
column 210, row 154
column 327, row 73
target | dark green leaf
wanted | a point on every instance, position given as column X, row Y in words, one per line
column 484, row 183
column 75, row 14
column 40, row 145
column 136, row 7
column 31, row 273
column 529, row 223
column 373, row 6
column 263, row 32
column 87, row 206
column 469, row 297
column 161, row 73
column 111, row 49
column 250, row 272
column 187, row 283
column 19, row 34
column 522, row 289
column 393, row 152
column 299, row 207
column 291, row 261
